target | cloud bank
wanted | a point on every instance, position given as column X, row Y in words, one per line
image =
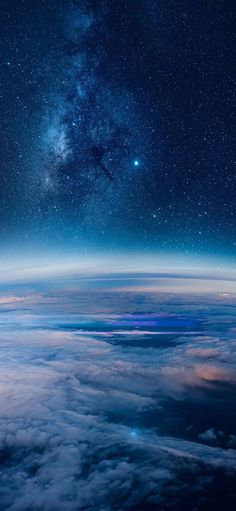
column 116, row 411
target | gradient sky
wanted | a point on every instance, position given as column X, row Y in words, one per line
column 117, row 125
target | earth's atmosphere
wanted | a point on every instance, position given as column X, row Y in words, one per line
column 118, row 392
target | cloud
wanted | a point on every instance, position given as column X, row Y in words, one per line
column 10, row 299
column 83, row 418
column 209, row 436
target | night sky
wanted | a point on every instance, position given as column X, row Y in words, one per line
column 117, row 125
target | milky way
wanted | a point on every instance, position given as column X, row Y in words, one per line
column 91, row 129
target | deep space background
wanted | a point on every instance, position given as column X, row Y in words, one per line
column 118, row 125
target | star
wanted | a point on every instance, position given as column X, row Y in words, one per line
column 136, row 163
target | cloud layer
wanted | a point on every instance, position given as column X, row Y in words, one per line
column 115, row 410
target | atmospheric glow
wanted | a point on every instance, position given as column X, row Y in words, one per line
column 155, row 270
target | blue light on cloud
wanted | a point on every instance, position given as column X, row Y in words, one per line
column 134, row 433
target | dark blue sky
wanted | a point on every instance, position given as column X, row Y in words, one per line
column 117, row 125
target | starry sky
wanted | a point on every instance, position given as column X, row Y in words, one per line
column 117, row 127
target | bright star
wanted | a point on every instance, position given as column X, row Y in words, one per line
column 136, row 163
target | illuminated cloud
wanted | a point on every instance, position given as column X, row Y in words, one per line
column 10, row 299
